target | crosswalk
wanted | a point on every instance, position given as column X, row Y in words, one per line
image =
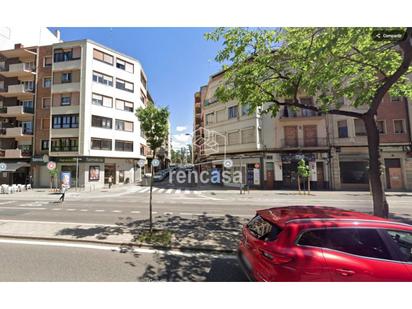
column 168, row 191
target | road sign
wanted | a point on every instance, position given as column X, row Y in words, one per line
column 155, row 162
column 141, row 162
column 3, row 166
column 228, row 163
column 257, row 165
column 51, row 165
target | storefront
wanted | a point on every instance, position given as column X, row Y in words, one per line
column 15, row 173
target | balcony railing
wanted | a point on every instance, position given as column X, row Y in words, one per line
column 304, row 142
column 13, row 111
column 288, row 113
column 15, row 153
column 18, row 70
column 64, row 148
column 15, row 132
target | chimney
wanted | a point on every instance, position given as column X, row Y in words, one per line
column 18, row 46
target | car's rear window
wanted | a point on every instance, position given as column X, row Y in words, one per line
column 262, row 229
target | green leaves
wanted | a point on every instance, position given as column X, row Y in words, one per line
column 270, row 65
column 154, row 123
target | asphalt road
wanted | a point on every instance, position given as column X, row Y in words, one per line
column 55, row 261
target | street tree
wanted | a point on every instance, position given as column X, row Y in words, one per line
column 271, row 68
column 154, row 122
column 303, row 171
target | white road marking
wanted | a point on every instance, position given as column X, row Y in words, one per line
column 135, row 212
column 197, row 192
column 71, row 209
column 57, row 222
column 140, row 189
column 178, row 191
column 154, row 212
column 161, row 190
column 186, row 214
column 19, row 207
column 84, row 210
column 169, row 191
column 144, row 190
column 5, row 203
column 110, row 248
column 99, row 210
column 116, row 211
column 154, row 189
column 187, row 191
column 57, row 209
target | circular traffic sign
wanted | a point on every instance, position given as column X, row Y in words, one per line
column 51, row 165
column 141, row 162
column 3, row 166
column 155, row 162
column 228, row 163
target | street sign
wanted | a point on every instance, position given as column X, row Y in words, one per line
column 141, row 162
column 228, row 163
column 155, row 162
column 51, row 165
column 3, row 166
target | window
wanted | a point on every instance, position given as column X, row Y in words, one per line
column 124, row 105
column 64, row 144
column 46, row 102
column 210, row 118
column 66, row 77
column 381, row 126
column 248, row 136
column 61, row 55
column 103, row 79
column 123, row 145
column 263, row 229
column 123, row 125
column 143, row 80
column 47, row 82
column 402, row 241
column 221, row 115
column 47, row 61
column 102, row 56
column 65, row 121
column 233, row 138
column 2, row 84
column 101, row 122
column 45, row 123
column 399, row 126
column 354, row 172
column 45, row 144
column 342, row 128
column 101, row 144
column 142, row 96
column 308, row 101
column 245, row 109
column 360, row 129
column 314, row 238
column 124, row 85
column 65, row 100
column 124, row 65
column 102, row 100
column 396, row 99
column 232, row 112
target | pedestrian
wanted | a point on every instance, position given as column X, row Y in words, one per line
column 63, row 192
column 110, row 180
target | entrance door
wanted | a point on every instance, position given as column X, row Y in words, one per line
column 394, row 174
column 310, row 136
column 291, row 136
column 289, row 171
column 109, row 170
column 270, row 175
column 320, row 176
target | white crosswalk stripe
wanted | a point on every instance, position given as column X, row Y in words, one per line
column 145, row 190
column 187, row 191
column 161, row 190
column 169, row 191
column 154, row 189
column 178, row 191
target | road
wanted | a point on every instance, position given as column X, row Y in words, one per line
column 56, row 261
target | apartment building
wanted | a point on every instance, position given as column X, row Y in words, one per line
column 349, row 152
column 80, row 110
column 198, row 125
column 335, row 147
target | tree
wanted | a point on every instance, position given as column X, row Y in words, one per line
column 154, row 122
column 53, row 177
column 271, row 68
column 303, row 173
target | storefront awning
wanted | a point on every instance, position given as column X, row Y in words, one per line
column 12, row 167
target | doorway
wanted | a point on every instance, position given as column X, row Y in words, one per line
column 270, row 175
column 109, row 170
column 320, row 174
column 393, row 172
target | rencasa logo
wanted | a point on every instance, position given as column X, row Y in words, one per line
column 205, row 177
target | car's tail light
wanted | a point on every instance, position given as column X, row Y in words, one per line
column 276, row 258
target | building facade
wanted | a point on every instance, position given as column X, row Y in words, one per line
column 268, row 149
column 81, row 115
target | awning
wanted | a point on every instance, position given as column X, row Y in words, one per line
column 12, row 167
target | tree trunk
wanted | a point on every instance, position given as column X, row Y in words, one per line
column 150, row 198
column 299, row 185
column 308, row 185
column 380, row 205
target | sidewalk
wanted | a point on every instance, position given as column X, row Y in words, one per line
column 201, row 234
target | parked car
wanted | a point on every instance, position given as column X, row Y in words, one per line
column 160, row 176
column 309, row 243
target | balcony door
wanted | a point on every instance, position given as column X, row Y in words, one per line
column 27, row 127
column 28, row 85
column 291, row 136
column 310, row 136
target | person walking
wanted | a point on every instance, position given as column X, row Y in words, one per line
column 110, row 180
column 63, row 192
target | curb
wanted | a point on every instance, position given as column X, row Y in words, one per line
column 130, row 244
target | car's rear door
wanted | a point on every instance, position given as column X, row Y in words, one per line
column 400, row 241
column 361, row 254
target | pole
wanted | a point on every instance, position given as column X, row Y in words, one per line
column 77, row 173
column 241, row 175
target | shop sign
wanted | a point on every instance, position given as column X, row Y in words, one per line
column 287, row 158
column 80, row 160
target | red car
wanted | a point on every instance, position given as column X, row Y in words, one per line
column 309, row 243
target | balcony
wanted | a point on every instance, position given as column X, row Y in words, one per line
column 68, row 65
column 15, row 153
column 298, row 143
column 19, row 111
column 20, row 53
column 19, row 70
column 66, row 87
column 17, row 91
column 16, row 132
column 288, row 114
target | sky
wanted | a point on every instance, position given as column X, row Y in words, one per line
column 177, row 62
